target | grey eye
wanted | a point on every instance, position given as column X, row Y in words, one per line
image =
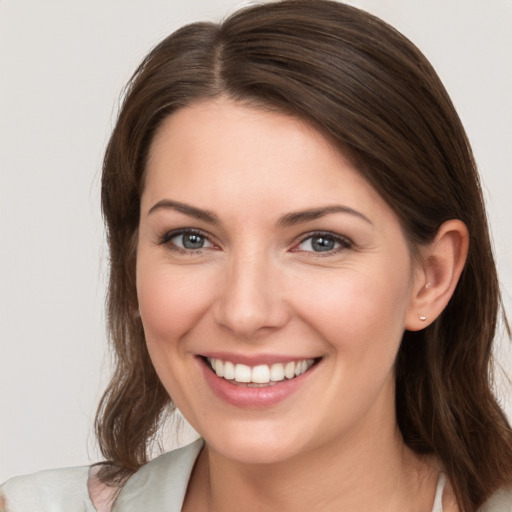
column 193, row 241
column 322, row 242
column 190, row 240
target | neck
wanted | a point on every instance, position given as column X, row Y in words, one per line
column 360, row 473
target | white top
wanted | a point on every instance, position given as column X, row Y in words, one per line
column 159, row 485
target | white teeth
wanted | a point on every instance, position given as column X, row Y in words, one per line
column 219, row 368
column 242, row 373
column 260, row 374
column 277, row 372
column 289, row 370
column 229, row 370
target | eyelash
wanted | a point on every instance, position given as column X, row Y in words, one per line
column 344, row 243
column 167, row 237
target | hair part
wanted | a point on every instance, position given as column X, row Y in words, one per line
column 376, row 97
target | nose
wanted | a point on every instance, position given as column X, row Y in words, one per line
column 251, row 302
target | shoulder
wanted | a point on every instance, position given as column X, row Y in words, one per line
column 501, row 501
column 53, row 490
column 161, row 484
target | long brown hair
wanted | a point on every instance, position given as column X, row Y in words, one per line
column 377, row 98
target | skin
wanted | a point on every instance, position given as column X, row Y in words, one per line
column 257, row 286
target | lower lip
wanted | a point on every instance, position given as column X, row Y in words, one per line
column 243, row 396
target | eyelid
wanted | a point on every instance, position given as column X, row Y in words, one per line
column 167, row 236
column 345, row 242
column 342, row 240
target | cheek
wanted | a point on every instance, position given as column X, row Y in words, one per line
column 360, row 314
column 171, row 302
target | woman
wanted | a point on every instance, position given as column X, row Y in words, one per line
column 300, row 260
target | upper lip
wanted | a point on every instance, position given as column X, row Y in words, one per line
column 255, row 359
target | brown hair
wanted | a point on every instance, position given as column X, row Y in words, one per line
column 373, row 93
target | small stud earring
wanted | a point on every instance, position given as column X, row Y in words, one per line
column 428, row 285
column 422, row 317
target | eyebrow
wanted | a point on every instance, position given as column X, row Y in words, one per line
column 290, row 219
column 191, row 211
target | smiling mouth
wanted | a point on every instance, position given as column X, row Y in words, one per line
column 261, row 375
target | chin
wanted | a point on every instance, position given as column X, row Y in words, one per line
column 254, row 446
column 255, row 454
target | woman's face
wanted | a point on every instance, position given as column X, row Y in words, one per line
column 262, row 252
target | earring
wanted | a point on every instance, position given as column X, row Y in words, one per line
column 422, row 317
column 428, row 285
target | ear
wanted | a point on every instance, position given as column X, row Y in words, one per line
column 437, row 273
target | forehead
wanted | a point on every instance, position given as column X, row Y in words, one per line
column 222, row 128
column 221, row 155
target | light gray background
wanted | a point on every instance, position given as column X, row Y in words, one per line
column 62, row 67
